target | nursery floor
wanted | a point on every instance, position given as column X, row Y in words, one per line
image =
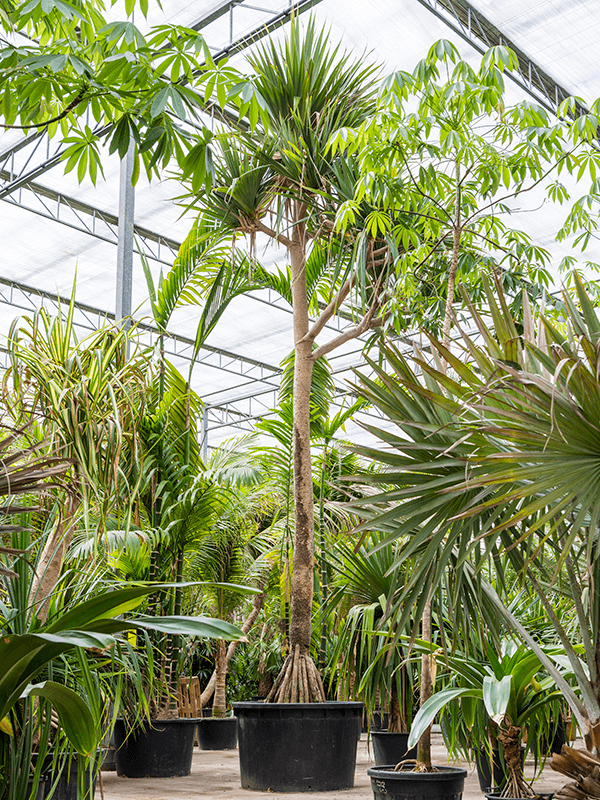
column 216, row 773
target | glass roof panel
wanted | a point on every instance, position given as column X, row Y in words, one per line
column 46, row 254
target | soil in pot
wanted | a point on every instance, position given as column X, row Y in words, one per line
column 495, row 795
column 391, row 748
column 444, row 783
column 217, row 733
column 297, row 747
column 163, row 749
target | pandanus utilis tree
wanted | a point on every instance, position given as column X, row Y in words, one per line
column 278, row 179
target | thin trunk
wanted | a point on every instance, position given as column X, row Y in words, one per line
column 257, row 605
column 397, row 723
column 324, row 580
column 424, row 746
column 220, row 700
column 176, row 640
column 304, row 533
column 454, row 263
column 47, row 572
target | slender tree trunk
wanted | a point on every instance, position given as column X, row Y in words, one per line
column 324, row 578
column 454, row 263
column 257, row 605
column 50, row 562
column 397, row 723
column 220, row 701
column 304, row 533
column 424, row 746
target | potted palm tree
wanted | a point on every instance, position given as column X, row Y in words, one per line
column 515, row 418
column 366, row 667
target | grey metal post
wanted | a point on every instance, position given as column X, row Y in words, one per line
column 125, row 244
column 204, row 434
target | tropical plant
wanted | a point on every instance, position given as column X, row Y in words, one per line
column 99, row 80
column 239, row 547
column 85, row 400
column 513, row 696
column 440, row 165
column 279, row 179
column 499, row 456
column 90, row 624
column 363, row 664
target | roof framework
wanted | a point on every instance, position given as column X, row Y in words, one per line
column 239, row 381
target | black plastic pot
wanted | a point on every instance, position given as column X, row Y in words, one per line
column 487, row 776
column 40, row 789
column 446, row 783
column 217, row 733
column 390, row 748
column 297, row 747
column 379, row 720
column 66, row 788
column 161, row 750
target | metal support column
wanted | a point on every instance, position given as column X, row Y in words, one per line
column 204, row 434
column 125, row 244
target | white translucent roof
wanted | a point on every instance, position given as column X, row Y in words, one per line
column 40, row 252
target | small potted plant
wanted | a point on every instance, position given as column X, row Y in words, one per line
column 507, row 689
column 365, row 665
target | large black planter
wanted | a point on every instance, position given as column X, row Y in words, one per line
column 391, row 748
column 66, row 788
column 163, row 749
column 217, row 733
column 297, row 747
column 446, row 783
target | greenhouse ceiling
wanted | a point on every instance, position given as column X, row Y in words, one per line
column 58, row 233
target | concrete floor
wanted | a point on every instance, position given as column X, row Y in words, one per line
column 216, row 773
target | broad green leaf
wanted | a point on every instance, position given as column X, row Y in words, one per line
column 496, row 696
column 426, row 714
column 73, row 713
column 190, row 626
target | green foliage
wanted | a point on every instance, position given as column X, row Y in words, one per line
column 495, row 460
column 138, row 89
column 88, row 396
column 439, row 163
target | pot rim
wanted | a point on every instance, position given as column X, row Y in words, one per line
column 247, row 704
column 386, row 771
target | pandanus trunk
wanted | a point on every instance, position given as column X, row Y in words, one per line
column 397, row 723
column 299, row 679
column 220, row 701
column 304, row 533
column 424, row 746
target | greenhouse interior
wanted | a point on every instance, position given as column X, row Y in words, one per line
column 300, row 450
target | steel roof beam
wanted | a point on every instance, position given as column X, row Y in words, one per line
column 103, row 225
column 472, row 26
column 216, row 357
